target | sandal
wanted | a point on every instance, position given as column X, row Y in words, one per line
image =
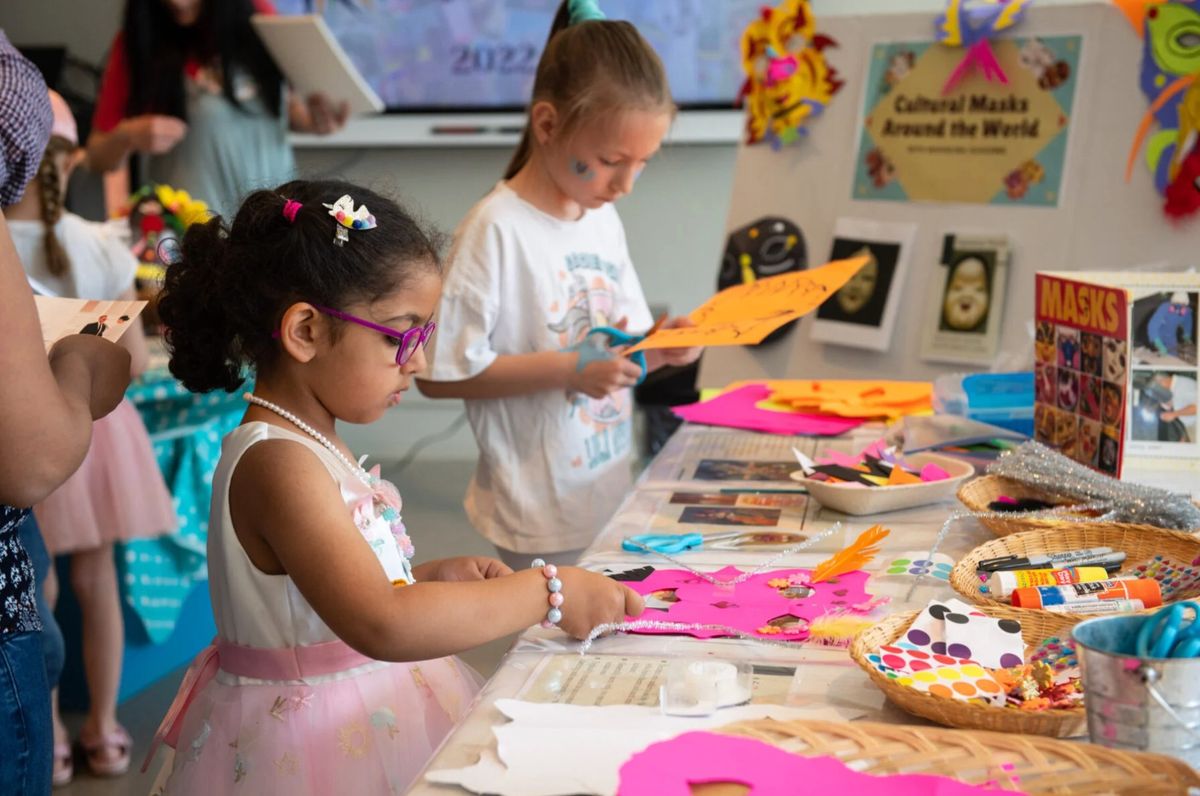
column 103, row 766
column 64, row 765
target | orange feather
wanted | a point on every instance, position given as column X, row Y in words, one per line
column 848, row 559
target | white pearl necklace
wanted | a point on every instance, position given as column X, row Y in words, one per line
column 357, row 469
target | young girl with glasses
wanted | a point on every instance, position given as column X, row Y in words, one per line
column 328, row 674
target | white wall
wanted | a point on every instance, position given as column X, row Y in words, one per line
column 675, row 220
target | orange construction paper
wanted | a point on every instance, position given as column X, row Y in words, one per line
column 899, row 476
column 745, row 314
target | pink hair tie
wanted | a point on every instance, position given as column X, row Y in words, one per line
column 290, row 208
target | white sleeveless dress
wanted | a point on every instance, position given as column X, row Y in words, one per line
column 364, row 730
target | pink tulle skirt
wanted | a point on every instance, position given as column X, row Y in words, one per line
column 366, row 733
column 116, row 494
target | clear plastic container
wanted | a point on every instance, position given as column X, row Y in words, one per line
column 1002, row 399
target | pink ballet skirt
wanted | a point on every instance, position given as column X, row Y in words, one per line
column 116, row 494
column 370, row 730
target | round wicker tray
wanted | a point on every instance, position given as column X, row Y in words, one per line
column 1006, row 762
column 1036, row 627
column 1139, row 542
column 977, row 494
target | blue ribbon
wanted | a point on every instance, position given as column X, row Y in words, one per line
column 583, row 11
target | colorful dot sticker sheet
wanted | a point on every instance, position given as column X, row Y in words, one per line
column 967, row 682
column 895, row 662
column 956, row 629
column 1173, row 577
column 916, row 563
column 1060, row 655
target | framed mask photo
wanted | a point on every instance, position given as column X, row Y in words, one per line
column 966, row 300
column 862, row 314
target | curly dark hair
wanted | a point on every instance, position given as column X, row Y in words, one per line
column 227, row 291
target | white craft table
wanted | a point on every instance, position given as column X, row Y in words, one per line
column 824, row 676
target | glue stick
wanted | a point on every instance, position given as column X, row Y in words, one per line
column 1143, row 589
column 1097, row 607
column 1002, row 584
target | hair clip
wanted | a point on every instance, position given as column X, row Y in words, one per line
column 348, row 218
column 583, row 11
column 290, row 208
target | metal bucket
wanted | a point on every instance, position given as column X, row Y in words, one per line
column 1141, row 704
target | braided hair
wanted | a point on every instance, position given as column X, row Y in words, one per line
column 49, row 181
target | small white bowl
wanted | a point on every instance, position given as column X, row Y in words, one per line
column 860, row 500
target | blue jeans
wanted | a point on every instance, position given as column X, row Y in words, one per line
column 26, row 734
column 52, row 637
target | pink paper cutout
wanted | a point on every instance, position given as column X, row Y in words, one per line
column 738, row 409
column 670, row 768
column 931, row 472
column 750, row 605
column 844, row 459
column 979, row 54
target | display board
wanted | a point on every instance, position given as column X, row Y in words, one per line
column 1096, row 220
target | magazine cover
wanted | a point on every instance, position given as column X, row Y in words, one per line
column 1116, row 373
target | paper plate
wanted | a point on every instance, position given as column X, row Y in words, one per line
column 860, row 500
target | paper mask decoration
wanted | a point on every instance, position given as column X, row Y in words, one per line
column 1170, row 81
column 777, row 604
column 741, row 408
column 971, row 24
column 788, row 81
column 746, row 314
column 589, row 744
column 767, row 247
column 670, row 768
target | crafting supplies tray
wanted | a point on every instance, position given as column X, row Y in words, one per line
column 860, row 500
column 1035, row 629
column 1140, row 543
column 1006, row 762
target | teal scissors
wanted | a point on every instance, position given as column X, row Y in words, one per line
column 670, row 542
column 620, row 337
column 1164, row 635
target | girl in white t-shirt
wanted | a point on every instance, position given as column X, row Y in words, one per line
column 118, row 492
column 537, row 264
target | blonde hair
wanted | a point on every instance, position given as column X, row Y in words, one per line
column 592, row 68
column 51, row 201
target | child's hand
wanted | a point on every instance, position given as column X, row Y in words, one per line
column 465, row 568
column 590, row 599
column 676, row 357
column 104, row 368
column 604, row 377
column 154, row 133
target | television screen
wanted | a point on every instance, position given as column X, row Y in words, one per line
column 455, row 55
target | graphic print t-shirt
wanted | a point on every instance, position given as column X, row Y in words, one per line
column 552, row 467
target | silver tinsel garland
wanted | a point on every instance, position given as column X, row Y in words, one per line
column 1038, row 466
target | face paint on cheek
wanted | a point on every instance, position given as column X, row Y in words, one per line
column 582, row 170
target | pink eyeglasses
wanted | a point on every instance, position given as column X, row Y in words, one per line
column 407, row 342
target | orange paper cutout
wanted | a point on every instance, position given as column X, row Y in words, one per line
column 899, row 477
column 1135, row 12
column 745, row 314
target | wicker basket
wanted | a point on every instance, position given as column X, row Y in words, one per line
column 978, row 494
column 1005, row 762
column 1035, row 628
column 1140, row 543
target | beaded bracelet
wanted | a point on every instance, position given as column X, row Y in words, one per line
column 554, row 586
